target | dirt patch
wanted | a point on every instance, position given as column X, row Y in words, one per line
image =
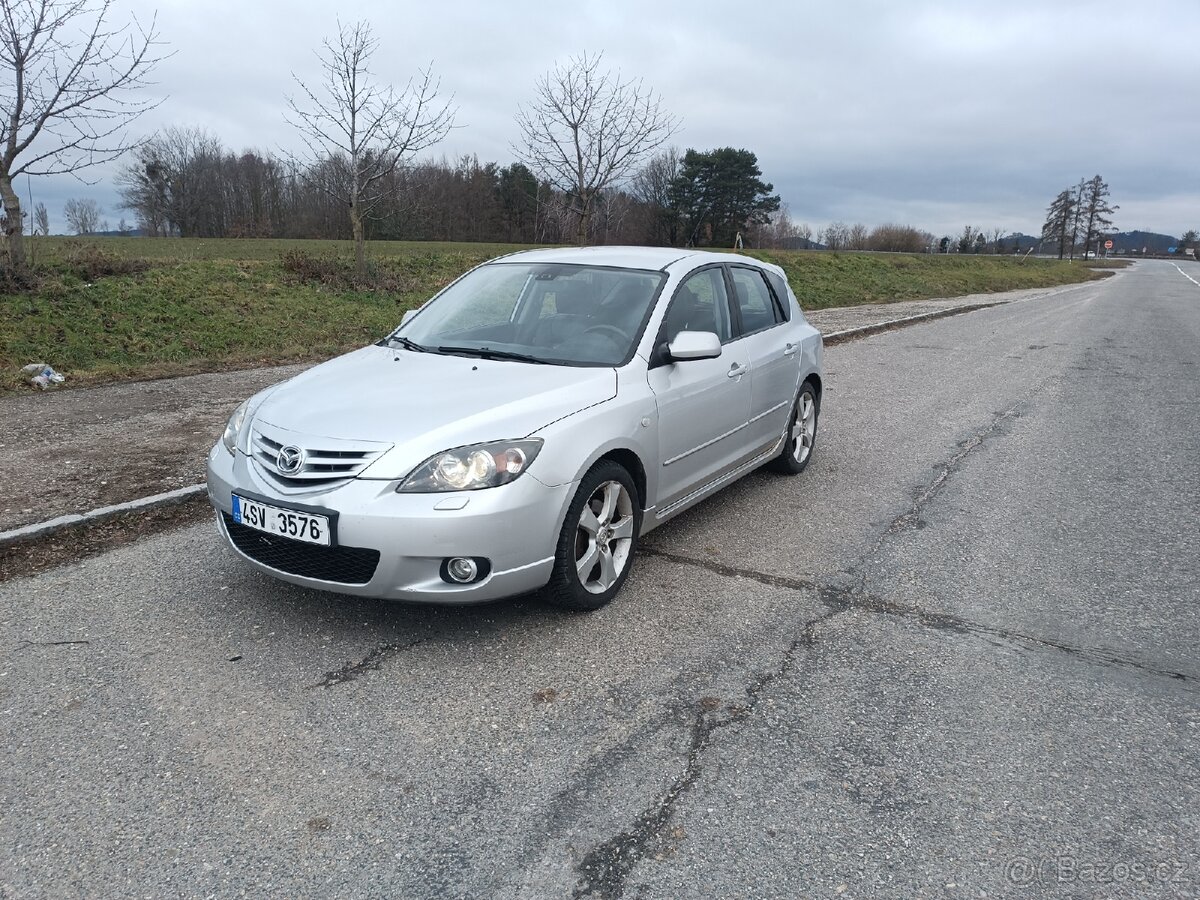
column 69, row 451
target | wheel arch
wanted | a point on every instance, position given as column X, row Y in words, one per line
column 632, row 463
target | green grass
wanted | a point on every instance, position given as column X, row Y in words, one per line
column 826, row 280
column 205, row 305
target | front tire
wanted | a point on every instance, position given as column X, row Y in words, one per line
column 598, row 539
column 801, row 436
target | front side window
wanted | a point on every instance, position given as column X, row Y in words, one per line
column 755, row 305
column 700, row 304
column 543, row 312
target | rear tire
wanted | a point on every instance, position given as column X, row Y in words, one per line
column 801, row 437
column 598, row 539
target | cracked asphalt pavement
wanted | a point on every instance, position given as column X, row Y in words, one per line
column 956, row 657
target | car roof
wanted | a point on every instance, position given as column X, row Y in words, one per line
column 661, row 258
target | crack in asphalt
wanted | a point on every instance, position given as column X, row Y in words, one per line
column 842, row 598
column 26, row 643
column 605, row 868
column 858, row 599
column 369, row 663
column 946, row 470
column 795, row 584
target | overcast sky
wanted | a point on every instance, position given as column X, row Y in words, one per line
column 935, row 114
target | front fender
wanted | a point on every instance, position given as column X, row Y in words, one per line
column 628, row 423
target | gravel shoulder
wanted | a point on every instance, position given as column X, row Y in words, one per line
column 74, row 450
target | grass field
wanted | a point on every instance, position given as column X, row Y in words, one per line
column 202, row 305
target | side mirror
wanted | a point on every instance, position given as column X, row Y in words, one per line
column 408, row 314
column 694, row 345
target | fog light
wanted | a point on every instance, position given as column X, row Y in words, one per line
column 462, row 570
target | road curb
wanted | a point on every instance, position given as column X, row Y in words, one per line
column 850, row 334
column 76, row 520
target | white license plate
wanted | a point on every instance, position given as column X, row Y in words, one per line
column 288, row 523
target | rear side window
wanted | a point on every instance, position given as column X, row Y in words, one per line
column 755, row 304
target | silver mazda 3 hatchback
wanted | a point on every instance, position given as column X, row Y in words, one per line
column 524, row 428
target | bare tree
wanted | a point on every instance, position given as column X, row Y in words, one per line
column 1076, row 216
column 170, row 183
column 83, row 216
column 374, row 129
column 71, row 78
column 898, row 239
column 1095, row 213
column 587, row 129
column 41, row 220
column 857, row 237
column 652, row 187
column 837, row 235
column 1059, row 217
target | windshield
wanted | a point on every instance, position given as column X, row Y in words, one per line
column 539, row 312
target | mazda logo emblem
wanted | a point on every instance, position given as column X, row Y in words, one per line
column 289, row 460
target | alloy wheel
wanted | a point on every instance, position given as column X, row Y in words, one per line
column 804, row 429
column 604, row 537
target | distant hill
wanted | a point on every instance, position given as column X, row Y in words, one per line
column 1139, row 241
column 132, row 232
column 1123, row 242
column 1021, row 242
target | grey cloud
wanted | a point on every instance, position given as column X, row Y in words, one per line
column 930, row 113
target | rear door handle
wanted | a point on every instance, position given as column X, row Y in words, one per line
column 736, row 370
column 789, row 349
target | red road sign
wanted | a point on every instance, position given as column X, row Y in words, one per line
column 1108, row 245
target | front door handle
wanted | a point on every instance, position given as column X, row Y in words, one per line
column 736, row 370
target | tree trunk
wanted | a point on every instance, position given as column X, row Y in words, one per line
column 360, row 241
column 14, row 242
column 585, row 223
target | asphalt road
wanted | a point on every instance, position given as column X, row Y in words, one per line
column 957, row 657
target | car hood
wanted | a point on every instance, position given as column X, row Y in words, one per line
column 423, row 403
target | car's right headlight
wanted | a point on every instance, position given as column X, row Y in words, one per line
column 472, row 468
column 233, row 427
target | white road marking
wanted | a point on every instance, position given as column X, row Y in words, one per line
column 1186, row 275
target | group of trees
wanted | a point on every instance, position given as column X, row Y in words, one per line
column 587, row 167
column 1079, row 217
column 183, row 181
column 890, row 237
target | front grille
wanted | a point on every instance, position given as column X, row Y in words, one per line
column 344, row 565
column 323, row 465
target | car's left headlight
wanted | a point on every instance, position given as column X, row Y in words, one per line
column 472, row 468
column 233, row 427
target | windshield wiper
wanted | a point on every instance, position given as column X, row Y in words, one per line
column 403, row 342
column 489, row 353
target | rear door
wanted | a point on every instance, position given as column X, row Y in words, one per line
column 774, row 353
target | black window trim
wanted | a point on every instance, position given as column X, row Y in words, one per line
column 783, row 304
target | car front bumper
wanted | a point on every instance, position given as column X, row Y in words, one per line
column 515, row 527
